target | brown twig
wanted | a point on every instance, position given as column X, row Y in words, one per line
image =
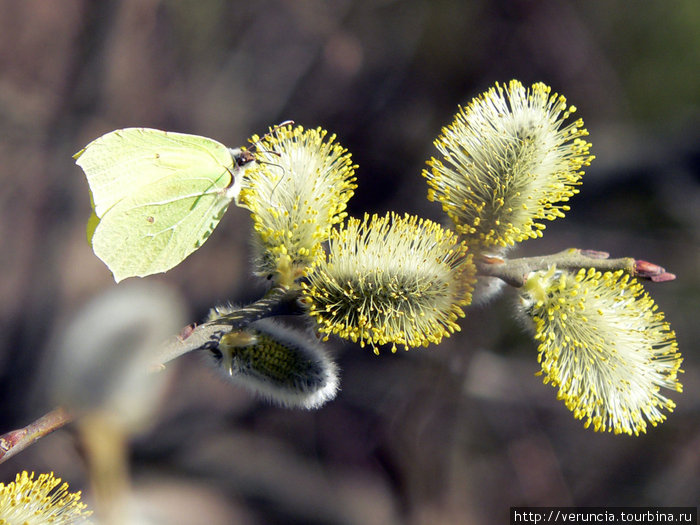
column 207, row 335
column 16, row 441
column 282, row 300
column 515, row 271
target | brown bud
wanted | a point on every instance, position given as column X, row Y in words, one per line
column 654, row 272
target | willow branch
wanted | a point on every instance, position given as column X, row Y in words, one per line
column 282, row 301
column 206, row 336
column 16, row 441
column 515, row 271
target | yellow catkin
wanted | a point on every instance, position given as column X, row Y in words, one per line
column 391, row 280
column 297, row 191
column 606, row 347
column 30, row 501
column 508, row 161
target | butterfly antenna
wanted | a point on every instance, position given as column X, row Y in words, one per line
column 254, row 149
column 273, row 129
column 272, row 194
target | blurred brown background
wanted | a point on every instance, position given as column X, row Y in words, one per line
column 453, row 434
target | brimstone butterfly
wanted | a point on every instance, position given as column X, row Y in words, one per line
column 156, row 196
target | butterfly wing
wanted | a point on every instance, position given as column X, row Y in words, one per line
column 156, row 228
column 119, row 163
column 156, row 195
